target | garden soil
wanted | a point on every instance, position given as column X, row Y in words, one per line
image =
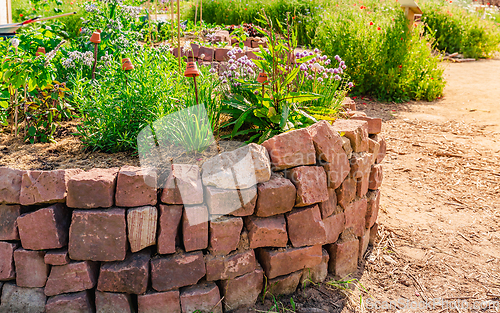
column 439, row 235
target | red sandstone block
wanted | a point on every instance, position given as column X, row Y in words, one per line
column 343, row 257
column 311, row 184
column 128, row 276
column 316, row 274
column 373, row 149
column 92, row 189
column 251, row 54
column 266, row 232
column 8, row 221
column 177, row 271
column 183, row 185
column 334, row 225
column 208, row 52
column 10, row 185
column 349, row 104
column 242, row 291
column 337, row 171
column 373, row 233
column 168, row 226
column 382, row 149
column 159, row 302
column 57, row 257
column 80, row 302
column 225, row 234
column 73, row 277
column 373, row 206
column 305, row 227
column 283, row 285
column 346, row 192
column 221, row 54
column 327, row 141
column 291, row 149
column 362, row 185
column 363, row 243
column 7, row 268
column 281, row 262
column 31, row 270
column 229, row 201
column 201, row 298
column 195, row 228
column 376, row 177
column 374, row 124
column 98, row 235
column 360, row 164
column 107, row 302
column 275, row 196
column 45, row 186
column 327, row 207
column 135, row 187
column 230, row 266
column 45, row 229
column 22, row 300
column 356, row 131
column 355, row 214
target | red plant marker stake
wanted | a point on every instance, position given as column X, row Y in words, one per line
column 192, row 71
column 264, row 81
column 127, row 66
column 95, row 39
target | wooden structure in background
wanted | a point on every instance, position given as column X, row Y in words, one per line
column 411, row 10
column 5, row 12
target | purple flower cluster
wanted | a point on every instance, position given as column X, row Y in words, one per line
column 241, row 67
column 314, row 69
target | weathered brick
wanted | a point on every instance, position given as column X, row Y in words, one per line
column 291, row 149
column 374, row 123
column 57, row 257
column 46, row 228
column 92, row 189
column 17, row 299
column 128, row 276
column 327, row 142
column 80, row 302
column 305, row 227
column 311, row 184
column 276, row 196
column 98, row 235
column 373, row 149
column 362, row 185
column 208, row 52
column 141, row 227
column 8, row 221
column 329, row 206
column 195, row 227
column 183, row 185
column 334, row 225
column 7, row 268
column 283, row 285
column 382, row 149
column 168, row 226
column 360, row 164
column 221, row 54
column 233, row 202
column 356, row 131
column 346, row 192
column 343, row 256
column 159, row 302
column 225, row 234
column 347, row 147
column 349, row 104
column 281, row 262
column 177, row 271
column 39, row 187
column 355, row 215
column 337, row 171
column 201, row 298
column 376, row 177
column 135, row 187
column 363, row 243
column 10, row 185
column 316, row 274
column 31, row 270
column 107, row 302
column 73, row 277
column 373, row 205
column 230, row 266
column 266, row 232
column 373, row 233
column 242, row 291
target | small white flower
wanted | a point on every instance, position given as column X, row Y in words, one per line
column 14, row 42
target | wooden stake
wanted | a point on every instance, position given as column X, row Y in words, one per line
column 172, row 18
column 16, row 111
column 195, row 12
column 95, row 61
column 195, row 90
column 201, row 13
column 179, row 34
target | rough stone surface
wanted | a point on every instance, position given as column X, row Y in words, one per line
column 45, row 186
column 57, row 257
column 316, row 274
column 305, row 227
column 7, row 267
column 290, row 149
column 75, row 303
column 373, row 233
column 372, row 209
column 10, row 185
column 183, row 185
column 242, row 291
column 135, row 187
column 337, row 171
column 311, row 184
column 334, row 225
column 349, row 104
column 363, row 243
column 355, row 214
column 238, row 169
column 177, row 271
column 46, row 228
column 8, row 221
column 283, row 285
column 168, row 226
column 225, row 234
column 327, row 142
column 373, row 149
column 383, row 148
column 374, row 123
column 31, row 270
column 346, row 192
column 281, row 262
column 98, row 235
column 17, row 299
column 233, row 202
column 141, row 226
column 362, row 185
column 356, row 131
column 92, row 189
column 128, row 276
column 195, row 228
column 159, row 302
column 360, row 164
column 346, row 145
column 343, row 257
column 230, row 266
column 266, row 232
column 329, row 206
column 276, row 196
column 73, row 277
column 376, row 177
column 201, row 298
column 107, row 302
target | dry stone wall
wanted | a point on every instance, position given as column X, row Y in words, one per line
column 301, row 205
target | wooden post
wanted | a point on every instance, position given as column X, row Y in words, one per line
column 410, row 8
column 172, row 18
column 201, row 13
column 179, row 34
